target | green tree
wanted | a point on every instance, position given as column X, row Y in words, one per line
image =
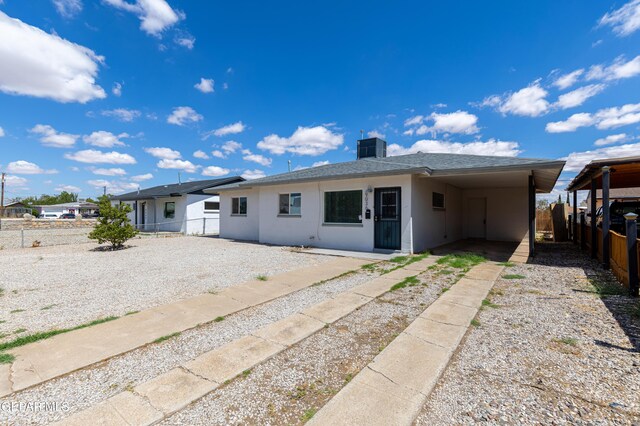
column 113, row 225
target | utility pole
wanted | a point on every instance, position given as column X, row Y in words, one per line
column 104, row 190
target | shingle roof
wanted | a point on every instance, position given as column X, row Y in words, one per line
column 176, row 189
column 432, row 163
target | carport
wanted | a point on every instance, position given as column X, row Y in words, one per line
column 613, row 249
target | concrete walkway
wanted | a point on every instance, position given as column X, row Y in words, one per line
column 44, row 360
column 162, row 396
column 392, row 389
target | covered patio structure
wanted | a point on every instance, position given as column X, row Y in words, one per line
column 614, row 250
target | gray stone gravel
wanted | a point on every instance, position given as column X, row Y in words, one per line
column 305, row 376
column 55, row 287
column 12, row 239
column 86, row 387
column 553, row 352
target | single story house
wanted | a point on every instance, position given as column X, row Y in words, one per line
column 408, row 203
column 75, row 207
column 14, row 209
column 179, row 207
column 615, row 194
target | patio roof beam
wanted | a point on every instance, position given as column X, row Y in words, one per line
column 594, row 229
column 532, row 214
column 605, row 216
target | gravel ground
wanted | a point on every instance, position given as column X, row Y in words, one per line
column 291, row 386
column 86, row 387
column 54, row 287
column 12, row 239
column 553, row 352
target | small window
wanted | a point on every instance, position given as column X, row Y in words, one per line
column 290, row 204
column 212, row 205
column 169, row 210
column 239, row 205
column 438, row 200
column 343, row 207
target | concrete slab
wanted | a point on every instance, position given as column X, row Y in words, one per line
column 449, row 313
column 421, row 265
column 5, row 384
column 174, row 390
column 357, row 254
column 333, row 309
column 477, row 287
column 485, row 271
column 256, row 293
column 444, row 335
column 102, row 414
column 228, row 361
column 461, row 297
column 375, row 287
column 290, row 330
column 400, row 274
column 412, row 362
column 370, row 399
column 134, row 408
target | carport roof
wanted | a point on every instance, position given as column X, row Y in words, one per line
column 625, row 173
column 177, row 189
column 431, row 164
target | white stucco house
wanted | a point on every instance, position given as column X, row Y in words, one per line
column 180, row 207
column 407, row 203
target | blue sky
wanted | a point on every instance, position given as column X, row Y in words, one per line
column 127, row 93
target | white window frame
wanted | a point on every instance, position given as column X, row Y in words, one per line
column 206, row 210
column 246, row 206
column 289, row 204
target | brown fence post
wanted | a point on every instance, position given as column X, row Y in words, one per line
column 632, row 253
column 583, row 230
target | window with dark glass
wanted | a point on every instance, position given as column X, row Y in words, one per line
column 438, row 200
column 290, row 204
column 389, row 205
column 169, row 210
column 239, row 205
column 343, row 207
column 212, row 205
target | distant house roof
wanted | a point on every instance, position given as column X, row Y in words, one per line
column 72, row 205
column 428, row 163
column 617, row 193
column 176, row 189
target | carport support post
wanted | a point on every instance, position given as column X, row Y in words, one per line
column 605, row 217
column 594, row 229
column 574, row 229
column 532, row 215
column 632, row 253
column 583, row 230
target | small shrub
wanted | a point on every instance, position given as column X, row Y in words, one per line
column 20, row 330
column 308, row 415
column 475, row 323
column 262, row 277
column 369, row 267
column 6, row 358
column 246, row 373
column 463, row 261
column 507, row 264
column 399, row 259
column 15, row 311
column 489, row 304
column 167, row 337
column 113, row 225
column 513, row 277
column 218, row 319
column 570, row 341
column 409, row 281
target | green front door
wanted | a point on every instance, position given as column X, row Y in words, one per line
column 387, row 218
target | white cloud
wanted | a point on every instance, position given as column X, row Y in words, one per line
column 567, row 80
column 122, row 114
column 183, row 115
column 52, row 138
column 230, row 129
column 186, row 40
column 529, row 101
column 578, row 96
column 253, row 174
column 320, row 163
column 117, row 89
column 611, row 139
column 113, row 187
column 304, row 141
column 607, row 118
column 156, row 15
column 455, row 122
column 577, row 160
column 490, row 147
column 104, row 139
column 620, row 69
column 1, row 132
column 185, row 165
column 67, row 188
column 201, row 154
column 215, row 171
column 116, row 171
column 205, row 85
column 623, row 21
column 22, row 167
column 68, row 8
column 256, row 158
column 414, row 121
column 375, row 134
column 231, row 146
column 16, row 182
column 95, row 156
column 140, row 178
column 163, row 153
column 35, row 63
column 218, row 154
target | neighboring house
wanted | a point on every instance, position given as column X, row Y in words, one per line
column 77, row 207
column 15, row 209
column 615, row 194
column 180, row 207
column 409, row 203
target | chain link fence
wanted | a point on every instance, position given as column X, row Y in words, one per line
column 42, row 232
